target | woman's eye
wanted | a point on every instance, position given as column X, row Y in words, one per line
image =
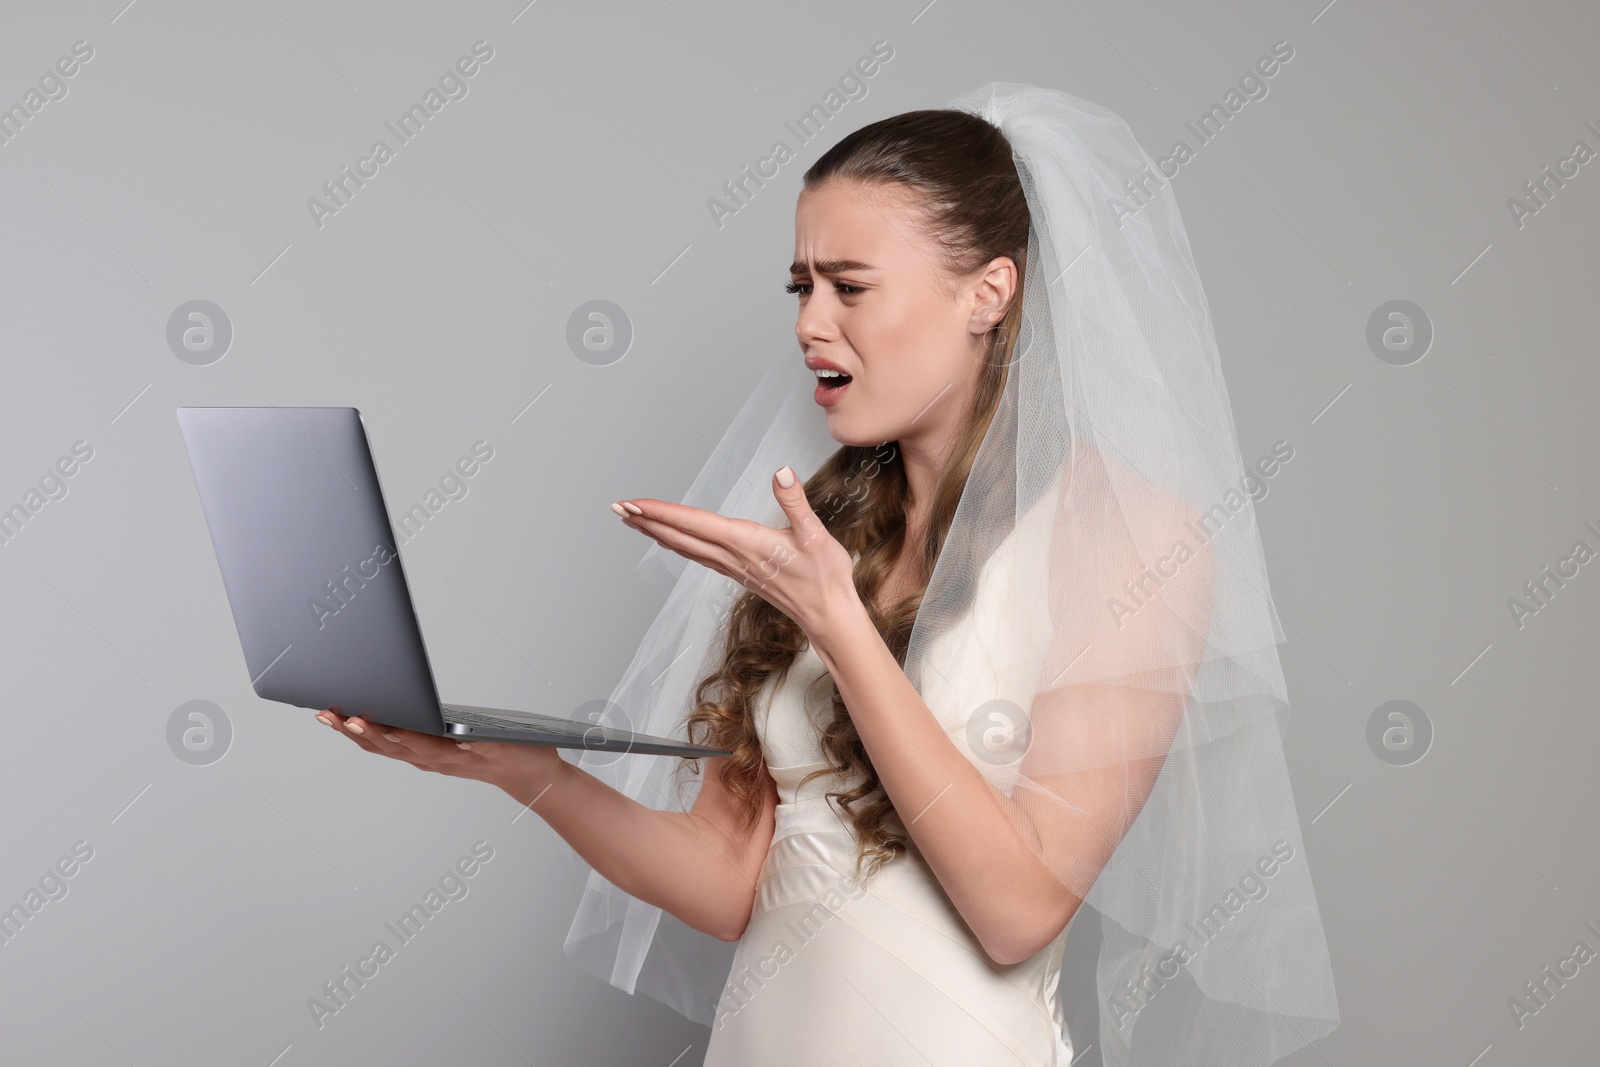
column 843, row 287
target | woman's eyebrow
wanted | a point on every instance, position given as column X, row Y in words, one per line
column 830, row 266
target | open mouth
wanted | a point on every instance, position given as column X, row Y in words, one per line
column 831, row 386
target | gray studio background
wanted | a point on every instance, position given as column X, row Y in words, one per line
column 1450, row 847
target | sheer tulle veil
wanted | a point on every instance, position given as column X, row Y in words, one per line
column 1151, row 668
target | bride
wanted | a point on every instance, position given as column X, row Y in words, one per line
column 991, row 641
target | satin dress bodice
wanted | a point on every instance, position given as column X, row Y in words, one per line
column 878, row 972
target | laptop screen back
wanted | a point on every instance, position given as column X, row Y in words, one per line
column 309, row 561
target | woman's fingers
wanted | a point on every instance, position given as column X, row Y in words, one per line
column 367, row 735
column 337, row 723
column 706, row 553
column 416, row 746
column 420, row 750
column 385, row 742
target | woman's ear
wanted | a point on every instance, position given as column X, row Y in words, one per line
column 995, row 289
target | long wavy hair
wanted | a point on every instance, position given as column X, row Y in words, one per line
column 959, row 172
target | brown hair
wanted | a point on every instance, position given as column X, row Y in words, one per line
column 958, row 169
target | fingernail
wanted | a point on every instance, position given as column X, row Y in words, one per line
column 391, row 737
column 619, row 510
column 324, row 718
column 354, row 727
column 635, row 508
column 785, row 477
column 463, row 744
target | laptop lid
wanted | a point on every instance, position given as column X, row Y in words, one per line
column 309, row 561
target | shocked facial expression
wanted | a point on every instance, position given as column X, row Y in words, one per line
column 876, row 307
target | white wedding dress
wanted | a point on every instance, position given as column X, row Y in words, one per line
column 882, row 973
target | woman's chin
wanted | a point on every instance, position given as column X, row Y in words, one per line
column 846, row 431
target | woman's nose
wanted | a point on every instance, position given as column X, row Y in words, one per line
column 814, row 323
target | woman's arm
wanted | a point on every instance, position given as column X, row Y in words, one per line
column 1015, row 866
column 996, row 857
column 1010, row 900
column 699, row 865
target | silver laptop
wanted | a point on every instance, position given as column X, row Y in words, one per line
column 314, row 579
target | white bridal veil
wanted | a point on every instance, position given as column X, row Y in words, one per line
column 1150, row 670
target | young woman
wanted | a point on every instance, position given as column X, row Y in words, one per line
column 1009, row 650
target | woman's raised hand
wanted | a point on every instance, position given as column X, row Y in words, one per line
column 802, row 570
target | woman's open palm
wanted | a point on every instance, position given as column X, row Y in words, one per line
column 801, row 570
